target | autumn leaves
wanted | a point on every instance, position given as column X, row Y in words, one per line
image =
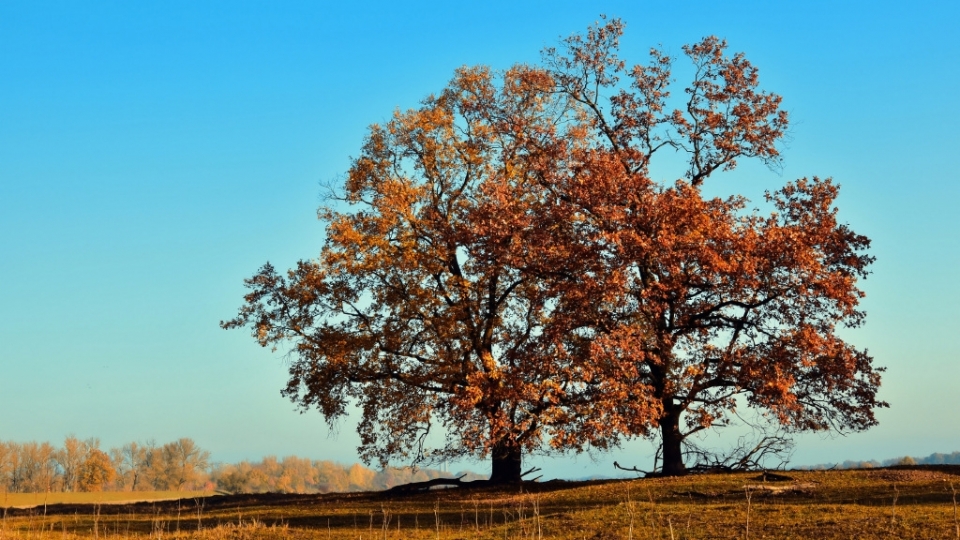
column 501, row 265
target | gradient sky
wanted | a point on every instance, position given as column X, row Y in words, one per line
column 154, row 154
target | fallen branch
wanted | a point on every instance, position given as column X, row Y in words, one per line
column 631, row 469
column 427, row 484
column 767, row 476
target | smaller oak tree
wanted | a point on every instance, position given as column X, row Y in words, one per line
column 700, row 306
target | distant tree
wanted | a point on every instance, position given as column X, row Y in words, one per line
column 7, row 451
column 331, row 477
column 234, row 478
column 70, row 459
column 941, row 459
column 131, row 464
column 291, row 475
column 359, row 477
column 13, row 468
column 183, row 464
column 300, row 475
column 297, row 475
column 121, row 469
column 153, row 470
column 34, row 468
column 96, row 472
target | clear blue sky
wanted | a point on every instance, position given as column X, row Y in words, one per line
column 154, row 154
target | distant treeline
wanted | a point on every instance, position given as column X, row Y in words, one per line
column 932, row 459
column 80, row 465
column 300, row 475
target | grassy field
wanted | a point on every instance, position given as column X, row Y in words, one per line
column 902, row 502
column 103, row 497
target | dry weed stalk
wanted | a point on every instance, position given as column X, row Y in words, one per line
column 476, row 514
column 656, row 520
column 631, row 512
column 199, row 503
column 96, row 519
column 896, row 495
column 746, row 535
column 956, row 522
column 386, row 521
column 521, row 515
column 536, row 514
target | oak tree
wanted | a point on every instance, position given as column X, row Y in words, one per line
column 699, row 305
column 415, row 308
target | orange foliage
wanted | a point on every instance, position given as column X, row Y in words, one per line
column 501, row 264
column 96, row 472
column 699, row 305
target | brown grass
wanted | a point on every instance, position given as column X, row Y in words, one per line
column 903, row 502
column 25, row 500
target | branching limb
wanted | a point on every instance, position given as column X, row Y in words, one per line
column 632, row 469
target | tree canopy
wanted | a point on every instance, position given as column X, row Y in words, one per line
column 416, row 307
column 715, row 306
column 500, row 263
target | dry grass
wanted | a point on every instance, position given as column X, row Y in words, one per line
column 24, row 500
column 913, row 502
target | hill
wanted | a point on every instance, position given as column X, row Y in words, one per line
column 897, row 502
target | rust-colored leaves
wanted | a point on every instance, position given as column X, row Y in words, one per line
column 500, row 264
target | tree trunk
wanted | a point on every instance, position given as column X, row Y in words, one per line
column 672, row 439
column 506, row 456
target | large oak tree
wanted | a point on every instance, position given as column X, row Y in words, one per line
column 416, row 309
column 501, row 264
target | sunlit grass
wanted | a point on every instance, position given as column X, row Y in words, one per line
column 102, row 497
column 883, row 503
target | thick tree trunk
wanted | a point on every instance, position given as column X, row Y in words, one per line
column 672, row 439
column 506, row 456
